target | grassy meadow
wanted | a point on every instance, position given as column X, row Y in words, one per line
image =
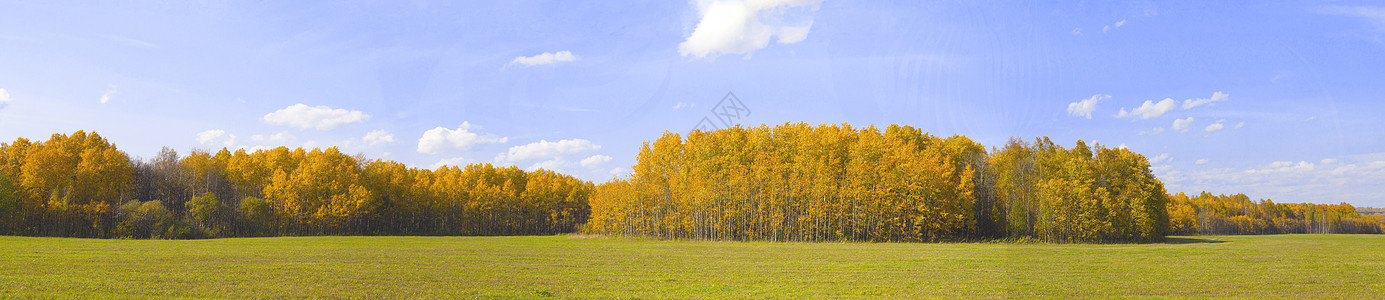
column 597, row 267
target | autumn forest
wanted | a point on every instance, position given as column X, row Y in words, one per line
column 790, row 182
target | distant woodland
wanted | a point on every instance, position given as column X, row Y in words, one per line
column 792, row 182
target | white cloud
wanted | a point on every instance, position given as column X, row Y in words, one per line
column 377, row 137
column 106, row 97
column 1182, row 124
column 280, row 138
column 1215, row 126
column 617, row 172
column 1328, row 161
column 1241, row 124
column 4, row 96
column 1284, row 166
column 455, row 161
column 545, row 59
column 1216, row 97
column 440, row 139
column 1084, row 108
column 741, row 27
column 1077, row 31
column 1150, row 109
column 1200, row 161
column 216, row 136
column 556, row 164
column 1118, row 24
column 1156, row 130
column 682, row 105
column 545, row 149
column 320, row 117
column 1161, row 158
column 595, row 160
column 793, row 34
column 1311, row 118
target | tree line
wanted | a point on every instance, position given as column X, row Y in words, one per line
column 791, row 182
column 800, row 182
column 1237, row 214
column 80, row 185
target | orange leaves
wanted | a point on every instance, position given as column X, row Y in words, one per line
column 790, row 182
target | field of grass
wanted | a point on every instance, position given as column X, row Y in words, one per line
column 1335, row 266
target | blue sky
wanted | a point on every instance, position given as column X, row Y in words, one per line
column 1276, row 100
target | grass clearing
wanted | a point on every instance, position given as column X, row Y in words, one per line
column 597, row 267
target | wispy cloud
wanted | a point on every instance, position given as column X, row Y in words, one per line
column 131, row 42
column 545, row 58
column 1216, row 97
column 1149, row 109
column 106, row 97
column 1372, row 14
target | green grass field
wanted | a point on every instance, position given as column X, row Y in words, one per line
column 583, row 267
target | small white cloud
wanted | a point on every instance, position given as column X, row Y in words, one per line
column 545, row 149
column 1156, row 130
column 1077, row 31
column 682, row 105
column 1149, row 109
column 1215, row 126
column 1106, row 28
column 1122, row 146
column 595, row 160
column 1182, row 124
column 741, row 27
column 545, row 58
column 1200, row 161
column 1241, row 124
column 238, row 99
column 1284, row 166
column 439, row 139
column 1084, row 108
column 321, row 117
column 455, row 161
column 617, row 172
column 106, row 97
column 377, row 137
column 1216, row 97
column 279, row 138
column 1160, row 159
column 4, row 96
column 216, row 136
column 1328, row 161
column 1311, row 118
column 556, row 164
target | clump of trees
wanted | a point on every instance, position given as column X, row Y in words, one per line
column 797, row 182
column 1237, row 214
column 80, row 185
